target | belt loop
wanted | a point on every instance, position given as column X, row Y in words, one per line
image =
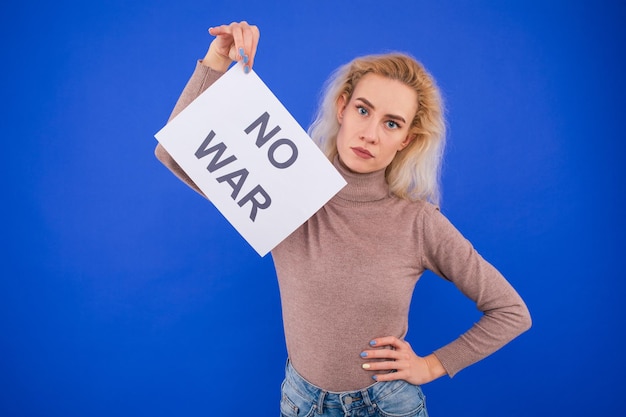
column 320, row 402
column 366, row 398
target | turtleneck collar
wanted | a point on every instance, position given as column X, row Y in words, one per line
column 361, row 188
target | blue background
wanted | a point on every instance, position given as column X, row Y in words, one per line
column 125, row 293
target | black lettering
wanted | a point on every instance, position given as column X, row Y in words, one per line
column 262, row 138
column 288, row 162
column 219, row 150
column 242, row 174
column 256, row 204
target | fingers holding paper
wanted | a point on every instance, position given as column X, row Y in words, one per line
column 237, row 41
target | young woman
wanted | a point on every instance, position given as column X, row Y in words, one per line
column 347, row 275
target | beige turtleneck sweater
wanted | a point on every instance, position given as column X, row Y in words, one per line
column 347, row 276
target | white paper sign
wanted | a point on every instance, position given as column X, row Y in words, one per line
column 251, row 158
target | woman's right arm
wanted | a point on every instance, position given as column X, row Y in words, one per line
column 235, row 42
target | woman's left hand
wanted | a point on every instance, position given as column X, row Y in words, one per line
column 414, row 369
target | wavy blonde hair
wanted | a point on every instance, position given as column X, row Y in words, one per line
column 415, row 171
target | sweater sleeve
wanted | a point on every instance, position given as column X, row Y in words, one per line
column 505, row 315
column 200, row 80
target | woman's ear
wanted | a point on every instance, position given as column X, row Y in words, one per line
column 341, row 107
column 409, row 138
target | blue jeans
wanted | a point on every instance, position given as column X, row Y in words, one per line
column 300, row 398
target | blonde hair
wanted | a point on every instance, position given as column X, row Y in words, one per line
column 414, row 173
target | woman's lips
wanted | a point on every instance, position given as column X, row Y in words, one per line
column 362, row 153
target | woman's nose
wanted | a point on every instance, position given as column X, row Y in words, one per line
column 369, row 133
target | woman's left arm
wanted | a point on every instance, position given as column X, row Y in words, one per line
column 504, row 314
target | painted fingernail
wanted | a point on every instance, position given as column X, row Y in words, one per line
column 246, row 69
column 374, row 377
column 366, row 366
column 245, row 59
column 372, row 343
column 363, row 354
column 241, row 52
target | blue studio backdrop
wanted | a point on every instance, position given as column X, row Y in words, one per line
column 125, row 293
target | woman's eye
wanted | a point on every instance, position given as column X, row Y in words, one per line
column 392, row 125
column 362, row 110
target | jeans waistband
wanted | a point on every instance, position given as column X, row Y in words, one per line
column 346, row 400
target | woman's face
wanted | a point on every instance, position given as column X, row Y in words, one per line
column 375, row 123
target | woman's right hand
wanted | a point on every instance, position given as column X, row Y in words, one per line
column 235, row 42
